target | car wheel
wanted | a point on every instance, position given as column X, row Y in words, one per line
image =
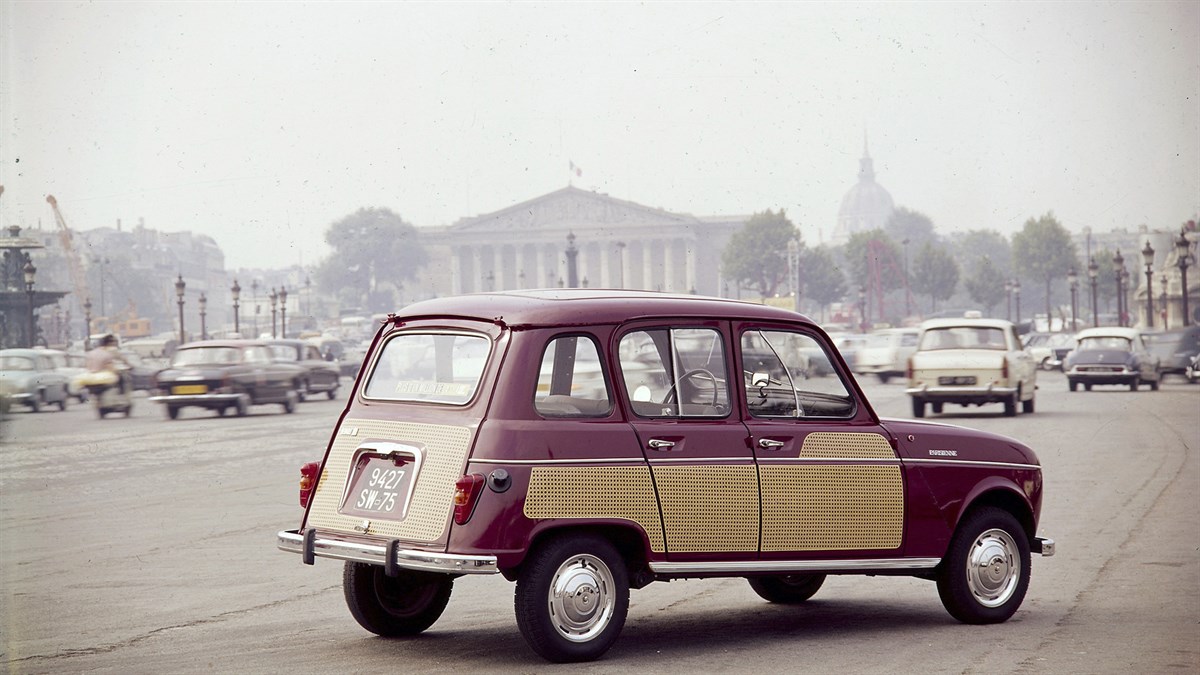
column 242, row 407
column 787, row 590
column 1133, row 386
column 918, row 407
column 1087, row 387
column 35, row 405
column 172, row 412
column 301, row 391
column 1010, row 405
column 937, row 407
column 1045, row 364
column 289, row 404
column 101, row 412
column 572, row 597
column 62, row 404
column 1154, row 384
column 985, row 574
column 884, row 377
column 1027, row 406
column 1073, row 385
column 221, row 411
column 405, row 604
column 332, row 393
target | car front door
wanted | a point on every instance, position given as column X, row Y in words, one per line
column 678, row 386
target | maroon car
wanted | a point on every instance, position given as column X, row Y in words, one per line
column 583, row 443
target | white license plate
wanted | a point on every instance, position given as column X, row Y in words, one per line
column 379, row 487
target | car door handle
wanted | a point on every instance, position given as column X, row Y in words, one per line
column 660, row 444
column 769, row 444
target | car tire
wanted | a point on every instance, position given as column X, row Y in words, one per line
column 301, row 391
column 172, row 412
column 1010, row 405
column 937, row 407
column 572, row 598
column 35, row 405
column 1073, row 385
column 1133, row 386
column 332, row 393
column 1045, row 364
column 405, row 604
column 985, row 573
column 1154, row 384
column 918, row 407
column 221, row 411
column 101, row 412
column 289, row 403
column 241, row 407
column 787, row 590
column 62, row 404
column 1027, row 406
column 1087, row 387
column 884, row 377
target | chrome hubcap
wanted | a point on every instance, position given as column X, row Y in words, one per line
column 993, row 568
column 581, row 598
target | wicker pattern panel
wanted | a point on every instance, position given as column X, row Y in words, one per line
column 832, row 507
column 445, row 450
column 828, row 444
column 709, row 508
column 624, row 492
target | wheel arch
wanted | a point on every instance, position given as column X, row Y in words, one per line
column 1004, row 496
column 629, row 540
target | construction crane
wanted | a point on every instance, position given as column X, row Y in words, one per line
column 78, row 280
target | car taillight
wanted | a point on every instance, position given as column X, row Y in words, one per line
column 1004, row 370
column 466, row 494
column 909, row 370
column 308, row 481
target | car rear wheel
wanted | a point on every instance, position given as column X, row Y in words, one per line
column 35, row 403
column 1027, row 406
column 918, row 407
column 985, row 574
column 62, row 403
column 937, row 407
column 1133, row 386
column 1154, row 384
column 172, row 412
column 405, row 604
column 787, row 590
column 572, row 597
column 1073, row 385
column 289, row 403
column 242, row 406
column 1010, row 405
column 332, row 393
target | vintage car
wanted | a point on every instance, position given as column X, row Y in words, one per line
column 320, row 375
column 73, row 366
column 886, row 353
column 1111, row 355
column 29, row 377
column 1174, row 348
column 971, row 362
column 688, row 462
column 222, row 375
column 1049, row 350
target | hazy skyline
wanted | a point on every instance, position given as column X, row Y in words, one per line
column 259, row 124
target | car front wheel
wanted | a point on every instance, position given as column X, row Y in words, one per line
column 918, row 407
column 405, row 604
column 985, row 574
column 788, row 590
column 572, row 597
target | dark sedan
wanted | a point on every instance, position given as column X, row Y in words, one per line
column 224, row 375
column 320, row 376
column 1110, row 355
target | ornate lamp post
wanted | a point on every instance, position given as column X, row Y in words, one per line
column 572, row 269
column 862, row 307
column 793, row 259
column 1093, row 273
column 1162, row 301
column 1148, row 258
column 307, row 297
column 273, row 297
column 907, row 293
column 257, row 309
column 237, row 294
column 87, row 323
column 179, row 288
column 1073, row 282
column 203, row 316
column 1008, row 299
column 1017, row 299
column 621, row 259
column 1182, row 248
column 1118, row 268
column 30, row 273
column 282, row 312
column 491, row 280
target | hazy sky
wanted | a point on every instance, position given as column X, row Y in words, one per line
column 260, row 123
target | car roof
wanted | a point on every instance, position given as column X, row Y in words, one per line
column 965, row 322
column 22, row 351
column 236, row 344
column 1109, row 331
column 581, row 307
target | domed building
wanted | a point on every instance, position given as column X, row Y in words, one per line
column 866, row 206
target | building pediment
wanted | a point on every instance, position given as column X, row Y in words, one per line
column 570, row 208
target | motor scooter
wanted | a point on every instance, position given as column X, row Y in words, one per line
column 105, row 390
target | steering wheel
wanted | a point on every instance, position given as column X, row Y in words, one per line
column 695, row 372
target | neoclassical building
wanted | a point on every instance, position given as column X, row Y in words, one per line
column 866, row 206
column 620, row 244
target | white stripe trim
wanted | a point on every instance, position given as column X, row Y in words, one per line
column 968, row 462
column 534, row 462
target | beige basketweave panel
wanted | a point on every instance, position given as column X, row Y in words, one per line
column 829, row 507
column 624, row 492
column 445, row 449
column 709, row 508
column 830, row 444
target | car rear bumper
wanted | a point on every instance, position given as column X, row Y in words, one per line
column 1100, row 377
column 966, row 394
column 389, row 555
column 198, row 399
column 1043, row 546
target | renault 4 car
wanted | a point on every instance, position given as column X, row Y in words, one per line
column 701, row 444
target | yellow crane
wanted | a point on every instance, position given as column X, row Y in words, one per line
column 78, row 280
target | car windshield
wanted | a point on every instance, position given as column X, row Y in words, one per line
column 206, row 356
column 284, row 353
column 1105, row 342
column 8, row 363
column 963, row 337
column 429, row 367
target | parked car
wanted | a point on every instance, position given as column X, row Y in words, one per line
column 1174, row 348
column 971, row 362
column 687, row 464
column 1111, row 355
column 30, row 378
column 886, row 353
column 142, row 370
column 320, row 376
column 222, row 375
column 1049, row 350
column 72, row 365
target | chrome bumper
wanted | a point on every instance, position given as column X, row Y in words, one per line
column 389, row 555
column 964, row 392
column 196, row 399
column 1043, row 545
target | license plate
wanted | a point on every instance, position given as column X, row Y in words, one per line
column 190, row 389
column 379, row 487
column 957, row 379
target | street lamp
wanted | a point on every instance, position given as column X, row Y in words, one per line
column 1162, row 300
column 203, row 316
column 572, row 269
column 273, row 297
column 1017, row 299
column 30, row 272
column 1182, row 248
column 1008, row 299
column 257, row 309
column 237, row 294
column 179, row 288
column 282, row 312
column 621, row 259
column 307, row 297
column 1118, row 268
column 862, row 307
column 1093, row 273
column 1073, row 282
column 491, row 280
column 87, row 323
column 1148, row 258
column 907, row 293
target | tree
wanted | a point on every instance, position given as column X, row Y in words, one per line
column 824, row 280
column 935, row 273
column 756, row 255
column 374, row 252
column 986, row 285
column 971, row 247
column 912, row 226
column 1043, row 250
column 873, row 250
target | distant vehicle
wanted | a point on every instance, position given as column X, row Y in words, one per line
column 29, row 377
column 321, row 376
column 1193, row 370
column 886, row 353
column 1111, row 355
column 71, row 365
column 971, row 362
column 848, row 345
column 1174, row 348
column 227, row 374
column 142, row 371
column 1049, row 350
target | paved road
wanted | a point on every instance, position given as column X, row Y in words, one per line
column 147, row 546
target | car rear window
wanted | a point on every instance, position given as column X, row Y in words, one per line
column 429, row 367
column 963, row 337
column 204, row 356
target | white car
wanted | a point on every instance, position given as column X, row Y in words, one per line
column 971, row 362
column 886, row 353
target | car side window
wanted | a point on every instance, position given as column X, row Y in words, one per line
column 785, row 377
column 675, row 372
column 571, row 380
